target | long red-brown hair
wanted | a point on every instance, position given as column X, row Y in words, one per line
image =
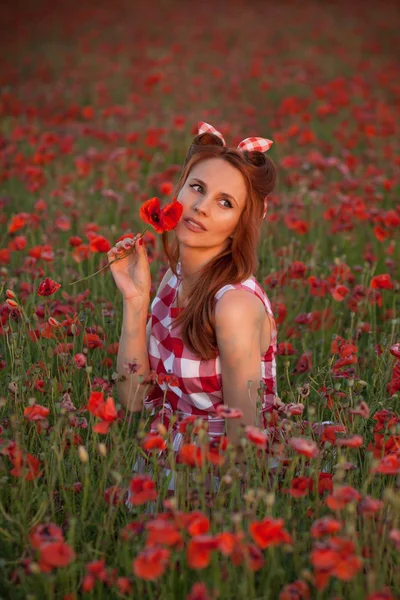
column 239, row 260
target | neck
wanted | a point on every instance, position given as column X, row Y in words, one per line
column 192, row 261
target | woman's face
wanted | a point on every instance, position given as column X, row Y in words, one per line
column 214, row 195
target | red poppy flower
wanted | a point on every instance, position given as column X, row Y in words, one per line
column 304, row 363
column 354, row 441
column 362, row 410
column 199, row 592
column 298, row 590
column 161, row 532
column 153, row 440
column 36, row 412
column 162, row 219
column 389, row 465
column 55, row 554
column 369, row 506
column 151, row 563
column 199, row 549
column 334, row 558
column 18, row 222
column 198, row 524
column 48, row 287
column 382, row 282
column 256, row 436
column 342, row 496
column 228, row 413
column 26, row 467
column 325, row 526
column 190, row 454
column 142, row 489
column 98, row 243
column 340, row 292
column 304, row 447
column 269, row 532
column 285, row 349
column 300, row 486
column 395, row 350
column 45, row 533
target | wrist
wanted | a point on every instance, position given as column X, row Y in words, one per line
column 138, row 303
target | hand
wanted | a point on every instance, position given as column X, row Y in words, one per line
column 131, row 272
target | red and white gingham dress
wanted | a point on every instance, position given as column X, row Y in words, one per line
column 199, row 388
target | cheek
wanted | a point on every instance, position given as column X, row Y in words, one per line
column 183, row 196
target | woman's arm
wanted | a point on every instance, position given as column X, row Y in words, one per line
column 133, row 349
column 239, row 317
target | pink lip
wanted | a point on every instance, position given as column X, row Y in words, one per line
column 194, row 221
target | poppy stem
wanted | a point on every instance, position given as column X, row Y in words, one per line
column 127, row 253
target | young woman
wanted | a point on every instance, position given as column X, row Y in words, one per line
column 211, row 324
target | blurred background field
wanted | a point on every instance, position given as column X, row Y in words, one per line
column 98, row 105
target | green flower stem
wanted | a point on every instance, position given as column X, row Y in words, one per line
column 127, row 253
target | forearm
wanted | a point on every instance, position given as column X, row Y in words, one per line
column 246, row 401
column 133, row 351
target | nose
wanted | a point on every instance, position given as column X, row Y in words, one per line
column 201, row 206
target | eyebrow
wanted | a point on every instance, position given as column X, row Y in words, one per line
column 220, row 194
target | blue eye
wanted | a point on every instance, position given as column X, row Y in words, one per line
column 193, row 185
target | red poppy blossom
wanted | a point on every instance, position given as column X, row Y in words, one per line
column 342, row 496
column 354, row 441
column 388, row 465
column 395, row 350
column 304, row 447
column 300, row 486
column 153, row 440
column 369, row 506
column 48, row 287
column 36, row 412
column 98, row 243
column 142, row 489
column 55, row 554
column 269, row 532
column 45, row 533
column 228, row 413
column 325, row 526
column 256, row 436
column 334, row 558
column 26, row 466
column 192, row 455
column 151, row 563
column 162, row 532
column 382, row 282
column 199, row 549
column 18, row 222
column 298, row 590
column 340, row 292
column 162, row 219
column 199, row 592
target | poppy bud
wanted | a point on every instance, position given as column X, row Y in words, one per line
column 12, row 304
column 83, row 455
column 11, row 294
column 53, row 322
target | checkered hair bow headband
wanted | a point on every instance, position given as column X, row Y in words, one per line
column 250, row 144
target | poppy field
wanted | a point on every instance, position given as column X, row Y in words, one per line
column 99, row 103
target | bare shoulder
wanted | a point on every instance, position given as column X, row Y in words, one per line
column 239, row 306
